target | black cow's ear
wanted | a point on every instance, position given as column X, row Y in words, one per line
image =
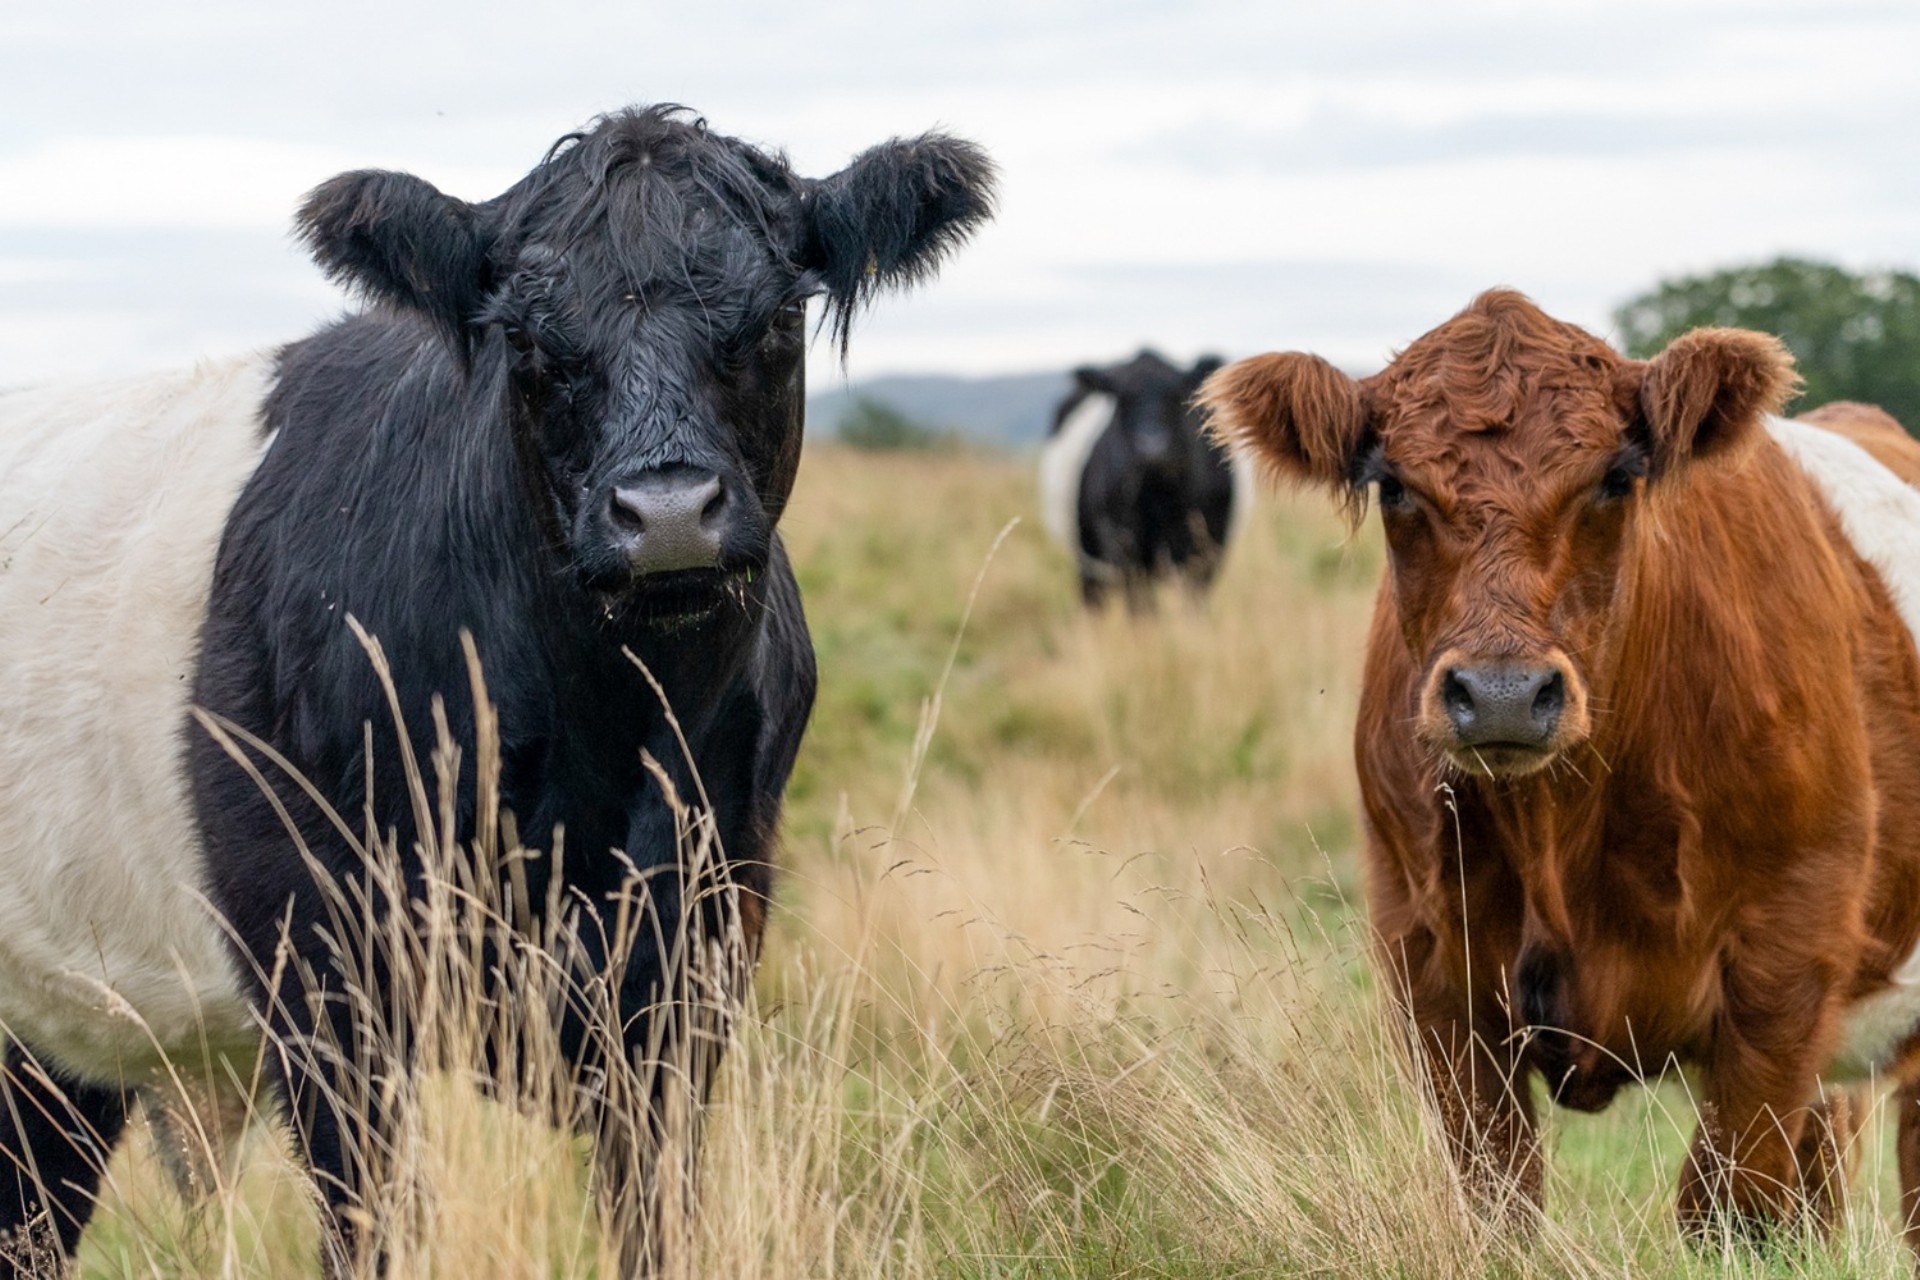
column 397, row 238
column 887, row 219
column 1203, row 368
column 1089, row 378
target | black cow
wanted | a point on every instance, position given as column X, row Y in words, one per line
column 1132, row 483
column 566, row 427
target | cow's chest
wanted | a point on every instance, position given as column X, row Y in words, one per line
column 1621, row 1006
column 1631, row 1002
column 1592, row 1021
column 1660, row 1014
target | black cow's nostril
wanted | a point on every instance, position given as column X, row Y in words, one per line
column 628, row 511
column 716, row 505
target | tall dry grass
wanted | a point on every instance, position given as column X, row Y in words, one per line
column 1068, row 974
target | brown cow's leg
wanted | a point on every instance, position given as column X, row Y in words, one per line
column 1488, row 1112
column 1483, row 1099
column 1486, row 1109
column 1827, row 1155
column 1743, row 1172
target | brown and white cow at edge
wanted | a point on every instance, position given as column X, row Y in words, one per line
column 1639, row 739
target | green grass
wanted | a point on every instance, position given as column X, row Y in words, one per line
column 1091, row 997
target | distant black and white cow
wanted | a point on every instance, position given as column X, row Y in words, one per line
column 567, row 425
column 1133, row 486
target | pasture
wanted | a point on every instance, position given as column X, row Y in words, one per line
column 1067, row 974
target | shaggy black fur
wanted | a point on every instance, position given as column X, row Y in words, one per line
column 55, row 1136
column 1157, row 493
column 443, row 463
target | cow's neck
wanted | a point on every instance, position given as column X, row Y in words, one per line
column 1597, row 846
column 1605, row 839
column 1534, row 828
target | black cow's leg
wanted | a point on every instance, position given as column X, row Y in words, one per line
column 620, row 1036
column 624, row 1034
column 647, row 1135
column 645, row 1158
column 335, row 1076
column 1197, row 556
column 55, row 1137
column 1111, row 552
column 676, row 979
column 1198, row 574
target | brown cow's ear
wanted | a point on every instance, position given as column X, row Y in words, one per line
column 1295, row 413
column 1704, row 396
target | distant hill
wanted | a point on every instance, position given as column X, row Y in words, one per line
column 1009, row 411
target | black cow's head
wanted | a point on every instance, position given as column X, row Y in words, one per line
column 640, row 299
column 1153, row 409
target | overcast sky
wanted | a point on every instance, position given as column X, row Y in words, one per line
column 1226, row 176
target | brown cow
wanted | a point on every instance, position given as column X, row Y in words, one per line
column 1639, row 742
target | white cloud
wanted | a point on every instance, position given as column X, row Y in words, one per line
column 1218, row 173
column 147, row 181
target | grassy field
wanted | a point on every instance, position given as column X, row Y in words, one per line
column 1068, row 973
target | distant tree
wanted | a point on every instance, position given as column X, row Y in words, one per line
column 1855, row 337
column 875, row 424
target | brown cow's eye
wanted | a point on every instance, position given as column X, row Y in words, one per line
column 1620, row 477
column 1393, row 494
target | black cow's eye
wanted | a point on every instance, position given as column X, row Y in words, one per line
column 518, row 338
column 785, row 334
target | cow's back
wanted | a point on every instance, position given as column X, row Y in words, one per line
column 1867, row 470
column 112, row 500
column 1876, row 431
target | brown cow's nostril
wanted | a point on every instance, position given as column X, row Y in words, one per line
column 1547, row 703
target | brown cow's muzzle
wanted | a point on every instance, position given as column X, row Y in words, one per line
column 1503, row 717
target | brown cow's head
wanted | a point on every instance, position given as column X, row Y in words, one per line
column 1512, row 455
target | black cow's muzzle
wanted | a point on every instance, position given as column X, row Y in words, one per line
column 670, row 545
